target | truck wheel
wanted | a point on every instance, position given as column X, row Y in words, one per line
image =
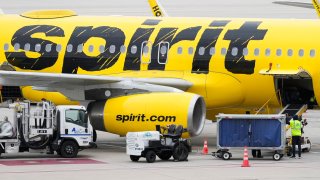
column 151, row 156
column 94, row 138
column 165, row 155
column 180, row 152
column 69, row 149
column 134, row 158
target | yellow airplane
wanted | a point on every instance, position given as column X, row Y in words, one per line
column 134, row 73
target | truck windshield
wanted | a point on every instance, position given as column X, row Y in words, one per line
column 76, row 117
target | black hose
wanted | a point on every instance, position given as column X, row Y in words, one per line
column 32, row 145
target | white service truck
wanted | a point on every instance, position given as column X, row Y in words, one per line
column 43, row 127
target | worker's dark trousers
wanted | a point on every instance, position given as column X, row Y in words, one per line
column 296, row 140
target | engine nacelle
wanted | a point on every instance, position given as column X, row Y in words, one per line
column 142, row 112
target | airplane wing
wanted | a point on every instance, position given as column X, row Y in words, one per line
column 75, row 86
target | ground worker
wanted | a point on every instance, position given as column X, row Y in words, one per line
column 296, row 127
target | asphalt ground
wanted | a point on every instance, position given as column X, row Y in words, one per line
column 109, row 160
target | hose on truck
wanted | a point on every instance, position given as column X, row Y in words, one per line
column 34, row 144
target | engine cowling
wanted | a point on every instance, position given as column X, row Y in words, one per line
column 142, row 112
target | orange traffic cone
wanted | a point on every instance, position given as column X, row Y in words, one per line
column 205, row 147
column 245, row 162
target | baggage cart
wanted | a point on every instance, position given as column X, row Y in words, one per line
column 256, row 132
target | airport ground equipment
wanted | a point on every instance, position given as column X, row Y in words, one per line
column 150, row 144
column 43, row 127
column 263, row 132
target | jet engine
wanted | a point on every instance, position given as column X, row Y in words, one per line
column 142, row 112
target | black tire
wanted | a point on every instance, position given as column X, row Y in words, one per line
column 180, row 152
column 134, row 158
column 165, row 155
column 94, row 138
column 69, row 149
column 276, row 156
column 151, row 156
column 226, row 155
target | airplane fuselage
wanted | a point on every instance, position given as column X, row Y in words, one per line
column 221, row 57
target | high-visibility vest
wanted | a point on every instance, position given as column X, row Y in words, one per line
column 295, row 127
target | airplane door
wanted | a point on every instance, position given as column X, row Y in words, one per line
column 146, row 49
column 163, row 52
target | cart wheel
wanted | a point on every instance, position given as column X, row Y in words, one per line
column 276, row 156
column 151, row 156
column 226, row 155
column 180, row 152
column 134, row 158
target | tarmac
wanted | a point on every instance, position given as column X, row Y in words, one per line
column 109, row 160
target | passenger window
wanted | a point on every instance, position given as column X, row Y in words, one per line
column 201, row 51
column 290, row 52
column 134, row 49
column 69, row 48
column 145, row 50
column 312, row 53
column 245, row 51
column 6, row 47
column 179, row 50
column 37, row 47
column 59, row 47
column 27, row 47
column 268, row 52
column 212, row 51
column 278, row 52
column 16, row 47
column 256, row 51
column 163, row 50
column 190, row 50
column 101, row 48
column 80, row 48
column 234, row 51
column 301, row 52
column 112, row 49
column 123, row 49
column 48, row 47
column 91, row 48
column 223, row 51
